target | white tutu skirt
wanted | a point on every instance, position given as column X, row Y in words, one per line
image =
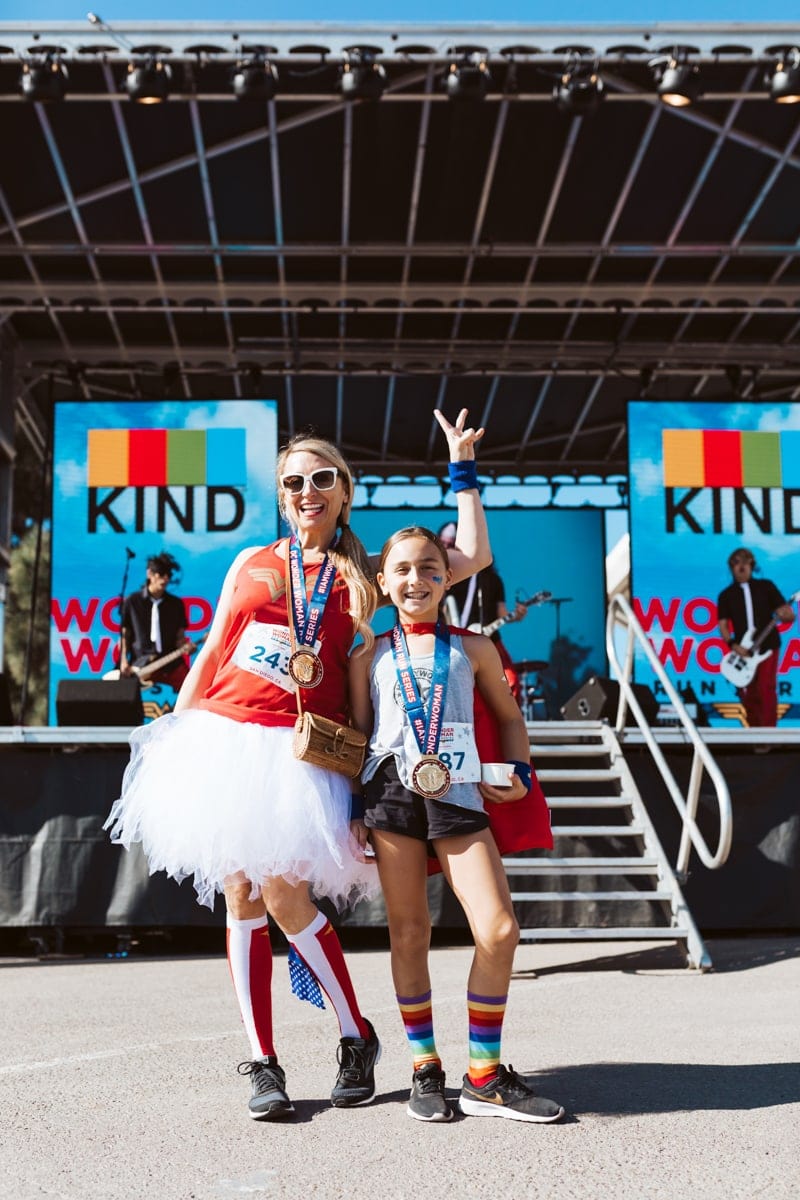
column 214, row 798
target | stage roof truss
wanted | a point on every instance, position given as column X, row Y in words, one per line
column 365, row 262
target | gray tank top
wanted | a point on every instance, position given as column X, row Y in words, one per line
column 392, row 733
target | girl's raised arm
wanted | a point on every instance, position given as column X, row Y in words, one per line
column 471, row 551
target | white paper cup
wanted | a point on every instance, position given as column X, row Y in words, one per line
column 497, row 773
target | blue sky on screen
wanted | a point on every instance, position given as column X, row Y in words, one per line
column 416, row 11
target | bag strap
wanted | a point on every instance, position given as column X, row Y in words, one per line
column 290, row 622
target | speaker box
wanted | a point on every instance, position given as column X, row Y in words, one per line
column 599, row 697
column 99, row 702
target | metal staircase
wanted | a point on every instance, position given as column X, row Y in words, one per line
column 608, row 876
column 627, row 894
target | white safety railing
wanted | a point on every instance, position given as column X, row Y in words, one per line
column 620, row 614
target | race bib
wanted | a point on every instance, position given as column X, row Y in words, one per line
column 457, row 750
column 264, row 650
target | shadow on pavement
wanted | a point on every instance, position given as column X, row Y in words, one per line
column 727, row 955
column 626, row 1088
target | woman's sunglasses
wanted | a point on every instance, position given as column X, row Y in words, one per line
column 323, row 479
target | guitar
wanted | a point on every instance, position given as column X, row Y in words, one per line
column 147, row 669
column 493, row 626
column 739, row 669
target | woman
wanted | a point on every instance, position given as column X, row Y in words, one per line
column 243, row 815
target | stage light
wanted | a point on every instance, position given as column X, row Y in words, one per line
column 469, row 78
column 361, row 77
column 254, row 78
column 677, row 81
column 784, row 83
column 44, row 81
column 579, row 90
column 148, row 82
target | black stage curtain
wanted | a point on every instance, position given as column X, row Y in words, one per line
column 58, row 868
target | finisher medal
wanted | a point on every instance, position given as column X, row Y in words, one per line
column 430, row 777
column 305, row 668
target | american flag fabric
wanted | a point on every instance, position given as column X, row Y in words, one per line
column 303, row 981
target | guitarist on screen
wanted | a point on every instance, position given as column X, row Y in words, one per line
column 154, row 623
column 748, row 606
column 479, row 601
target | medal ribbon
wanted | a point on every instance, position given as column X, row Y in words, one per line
column 307, row 614
column 426, row 720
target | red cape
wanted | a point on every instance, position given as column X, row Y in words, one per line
column 516, row 825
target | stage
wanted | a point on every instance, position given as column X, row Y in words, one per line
column 60, row 873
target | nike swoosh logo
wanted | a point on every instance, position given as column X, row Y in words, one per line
column 493, row 1099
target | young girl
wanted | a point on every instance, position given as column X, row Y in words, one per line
column 412, row 691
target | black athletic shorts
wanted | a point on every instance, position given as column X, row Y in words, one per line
column 390, row 806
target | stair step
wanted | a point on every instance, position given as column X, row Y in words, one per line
column 618, row 933
column 579, row 775
column 580, row 866
column 561, row 728
column 597, row 830
column 572, row 749
column 588, row 801
column 625, row 896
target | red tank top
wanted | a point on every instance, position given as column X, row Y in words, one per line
column 243, row 696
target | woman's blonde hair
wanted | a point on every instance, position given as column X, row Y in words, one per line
column 349, row 556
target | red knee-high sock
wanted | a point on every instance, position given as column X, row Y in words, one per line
column 321, row 951
column 250, row 961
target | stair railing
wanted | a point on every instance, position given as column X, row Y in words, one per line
column 621, row 614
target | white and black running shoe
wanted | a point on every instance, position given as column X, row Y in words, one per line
column 507, row 1095
column 427, row 1101
column 355, row 1083
column 269, row 1101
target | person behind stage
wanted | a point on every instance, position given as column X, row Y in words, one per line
column 749, row 603
column 154, row 623
column 480, row 600
column 413, row 694
column 214, row 790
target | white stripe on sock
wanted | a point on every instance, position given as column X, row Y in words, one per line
column 240, row 933
column 307, row 946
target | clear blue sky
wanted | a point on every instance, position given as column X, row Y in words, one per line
column 415, row 11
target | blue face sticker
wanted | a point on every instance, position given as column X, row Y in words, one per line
column 437, row 578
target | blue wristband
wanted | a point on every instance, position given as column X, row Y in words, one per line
column 463, row 475
column 524, row 771
column 356, row 806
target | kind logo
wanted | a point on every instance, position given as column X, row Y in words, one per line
column 133, row 475
column 726, row 462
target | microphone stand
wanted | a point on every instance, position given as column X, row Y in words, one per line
column 129, row 554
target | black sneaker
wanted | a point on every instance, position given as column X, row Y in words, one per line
column 269, row 1101
column 355, row 1083
column 427, row 1100
column 507, row 1095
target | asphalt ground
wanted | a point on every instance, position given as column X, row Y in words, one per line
column 118, row 1080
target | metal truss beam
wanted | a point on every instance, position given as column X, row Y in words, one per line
column 467, row 299
column 376, row 357
column 313, row 41
column 279, row 249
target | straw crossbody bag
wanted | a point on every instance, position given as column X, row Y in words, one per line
column 318, row 740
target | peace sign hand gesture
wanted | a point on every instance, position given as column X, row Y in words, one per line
column 460, row 441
